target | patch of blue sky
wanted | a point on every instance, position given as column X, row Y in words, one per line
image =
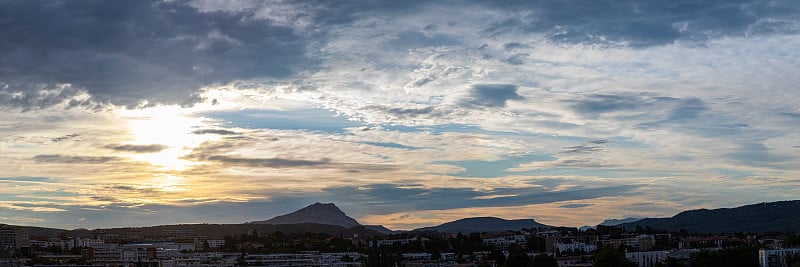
column 25, row 179
column 494, row 169
column 315, row 120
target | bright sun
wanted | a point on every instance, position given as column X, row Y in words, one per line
column 170, row 126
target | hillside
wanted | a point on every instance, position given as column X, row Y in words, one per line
column 315, row 213
column 484, row 224
column 782, row 216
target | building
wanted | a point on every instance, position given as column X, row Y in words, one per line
column 215, row 243
column 776, row 257
column 576, row 247
column 13, row 238
column 391, row 242
column 311, row 259
column 648, row 258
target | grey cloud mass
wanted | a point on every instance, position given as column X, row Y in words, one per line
column 128, row 52
column 386, row 198
column 649, row 23
column 492, row 95
column 66, row 159
column 137, row 148
column 266, row 162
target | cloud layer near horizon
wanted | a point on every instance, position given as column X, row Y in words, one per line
column 404, row 113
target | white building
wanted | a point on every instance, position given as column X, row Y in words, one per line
column 215, row 243
column 648, row 258
column 576, row 246
column 776, row 257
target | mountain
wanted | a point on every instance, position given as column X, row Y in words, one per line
column 782, row 216
column 615, row 222
column 381, row 229
column 315, row 213
column 484, row 224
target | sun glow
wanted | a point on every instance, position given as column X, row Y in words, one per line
column 170, row 126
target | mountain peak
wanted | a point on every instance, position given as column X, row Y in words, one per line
column 320, row 213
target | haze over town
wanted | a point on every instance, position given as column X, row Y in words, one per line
column 404, row 113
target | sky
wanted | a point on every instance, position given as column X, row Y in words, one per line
column 402, row 113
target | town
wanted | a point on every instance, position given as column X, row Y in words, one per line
column 560, row 246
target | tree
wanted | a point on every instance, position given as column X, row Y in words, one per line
column 744, row 256
column 544, row 260
column 497, row 256
column 611, row 257
column 517, row 257
column 793, row 260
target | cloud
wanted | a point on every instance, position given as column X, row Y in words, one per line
column 582, row 149
column 649, row 108
column 604, row 103
column 26, row 207
column 267, row 162
column 492, row 95
column 646, row 24
column 131, row 52
column 293, row 163
column 215, row 131
column 137, row 148
column 65, row 138
column 576, row 205
column 65, row 159
column 387, row 198
column 25, row 179
column 794, row 115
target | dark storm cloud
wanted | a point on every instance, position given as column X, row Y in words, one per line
column 215, row 131
column 124, row 52
column 57, row 158
column 492, row 95
column 137, row 148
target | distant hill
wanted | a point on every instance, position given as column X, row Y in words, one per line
column 615, row 222
column 782, row 216
column 484, row 224
column 315, row 213
column 381, row 229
